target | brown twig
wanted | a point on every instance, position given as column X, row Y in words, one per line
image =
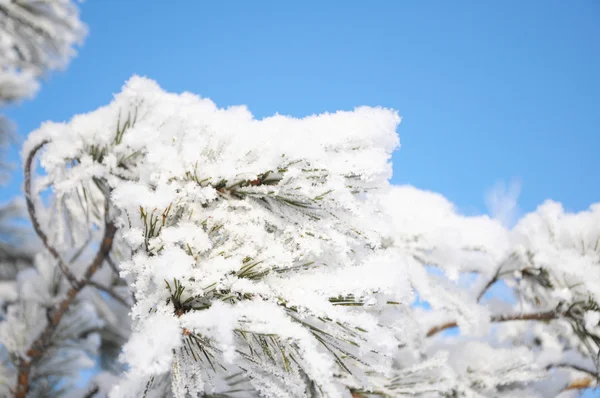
column 581, row 383
column 41, row 344
column 535, row 316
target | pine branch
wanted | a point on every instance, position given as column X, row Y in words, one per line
column 43, row 342
column 535, row 316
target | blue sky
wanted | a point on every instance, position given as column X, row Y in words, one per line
column 488, row 91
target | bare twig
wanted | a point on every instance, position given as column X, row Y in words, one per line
column 35, row 222
column 535, row 316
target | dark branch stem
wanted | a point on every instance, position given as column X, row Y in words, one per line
column 535, row 316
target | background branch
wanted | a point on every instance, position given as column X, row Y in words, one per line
column 110, row 292
column 41, row 344
column 535, row 316
column 574, row 367
column 93, row 391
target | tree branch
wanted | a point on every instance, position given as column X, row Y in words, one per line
column 93, row 391
column 574, row 367
column 496, row 276
column 535, row 316
column 112, row 265
column 110, row 292
column 41, row 344
column 489, row 284
column 35, row 222
column 581, row 382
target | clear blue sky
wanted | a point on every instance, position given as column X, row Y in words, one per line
column 488, row 90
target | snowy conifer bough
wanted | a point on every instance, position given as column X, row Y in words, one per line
column 271, row 257
column 35, row 37
column 255, row 253
column 525, row 299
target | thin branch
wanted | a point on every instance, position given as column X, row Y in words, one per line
column 489, row 284
column 110, row 292
column 41, row 344
column 496, row 276
column 574, row 367
column 112, row 265
column 535, row 316
column 35, row 222
column 93, row 391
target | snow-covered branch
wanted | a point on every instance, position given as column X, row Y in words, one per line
column 40, row 345
column 272, row 258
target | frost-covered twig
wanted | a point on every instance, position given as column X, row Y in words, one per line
column 535, row 316
column 41, row 344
